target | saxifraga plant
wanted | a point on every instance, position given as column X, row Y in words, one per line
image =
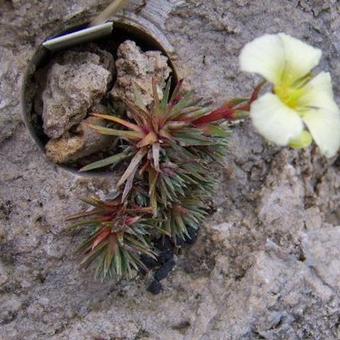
column 165, row 187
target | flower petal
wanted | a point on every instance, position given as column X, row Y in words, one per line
column 321, row 114
column 300, row 58
column 274, row 120
column 318, row 93
column 279, row 58
column 265, row 56
column 303, row 141
column 324, row 125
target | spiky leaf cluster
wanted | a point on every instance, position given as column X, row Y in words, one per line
column 169, row 147
column 117, row 234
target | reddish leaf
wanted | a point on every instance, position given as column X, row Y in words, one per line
column 101, row 237
column 132, row 220
column 219, row 114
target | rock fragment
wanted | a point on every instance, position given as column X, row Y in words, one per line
column 75, row 82
column 85, row 142
column 135, row 69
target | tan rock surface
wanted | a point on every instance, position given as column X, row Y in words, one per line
column 83, row 142
column 135, row 70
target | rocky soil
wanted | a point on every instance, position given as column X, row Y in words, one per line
column 266, row 264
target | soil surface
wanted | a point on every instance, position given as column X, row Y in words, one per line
column 266, row 264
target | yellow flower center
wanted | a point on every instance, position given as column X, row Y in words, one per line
column 290, row 91
column 290, row 96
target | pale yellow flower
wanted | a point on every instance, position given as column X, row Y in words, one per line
column 301, row 107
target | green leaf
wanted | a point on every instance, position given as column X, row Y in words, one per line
column 191, row 137
column 110, row 253
column 153, row 177
column 118, row 262
column 156, row 103
column 112, row 160
column 176, row 91
column 87, row 260
column 193, row 112
column 118, row 120
column 83, row 214
column 216, row 131
column 236, row 101
column 164, row 102
column 186, row 101
column 134, row 135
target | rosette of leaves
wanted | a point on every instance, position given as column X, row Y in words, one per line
column 117, row 234
column 170, row 147
column 167, row 144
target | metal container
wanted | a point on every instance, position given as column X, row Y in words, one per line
column 143, row 32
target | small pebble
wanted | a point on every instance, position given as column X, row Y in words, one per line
column 165, row 256
column 155, row 287
column 164, row 270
